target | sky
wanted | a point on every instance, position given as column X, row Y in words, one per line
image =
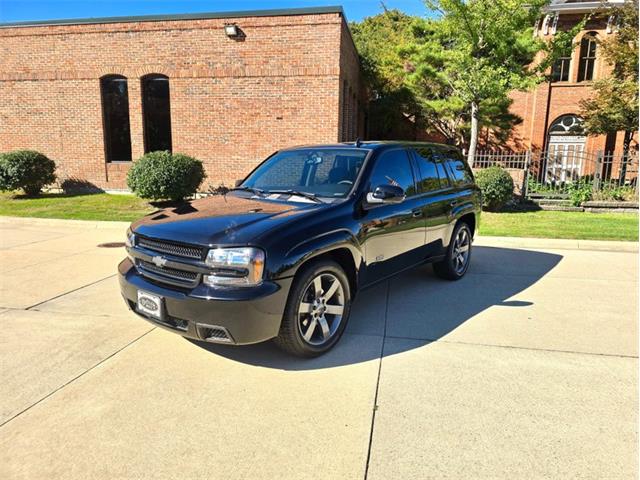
column 24, row 10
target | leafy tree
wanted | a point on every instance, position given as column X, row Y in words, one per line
column 614, row 104
column 470, row 58
column 379, row 39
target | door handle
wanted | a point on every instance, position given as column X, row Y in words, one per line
column 417, row 213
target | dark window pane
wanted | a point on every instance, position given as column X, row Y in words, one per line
column 393, row 168
column 157, row 113
column 460, row 171
column 427, row 175
column 561, row 70
column 587, row 58
column 115, row 119
column 444, row 178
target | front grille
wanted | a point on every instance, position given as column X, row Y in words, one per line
column 174, row 276
column 170, row 248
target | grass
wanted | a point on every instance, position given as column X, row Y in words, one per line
column 555, row 224
column 99, row 206
column 543, row 224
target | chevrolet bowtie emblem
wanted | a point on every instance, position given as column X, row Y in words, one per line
column 159, row 261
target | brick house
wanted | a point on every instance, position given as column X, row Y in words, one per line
column 227, row 88
column 550, row 113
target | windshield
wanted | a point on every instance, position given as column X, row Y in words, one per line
column 328, row 172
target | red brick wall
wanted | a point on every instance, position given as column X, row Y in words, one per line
column 541, row 106
column 232, row 102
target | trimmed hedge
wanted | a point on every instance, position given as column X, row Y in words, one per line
column 164, row 175
column 496, row 185
column 26, row 169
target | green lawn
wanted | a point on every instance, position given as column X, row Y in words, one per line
column 100, row 206
column 544, row 224
column 552, row 224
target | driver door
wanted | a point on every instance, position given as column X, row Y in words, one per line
column 394, row 234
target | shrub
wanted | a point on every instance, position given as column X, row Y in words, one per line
column 163, row 175
column 496, row 185
column 27, row 170
column 611, row 192
column 579, row 192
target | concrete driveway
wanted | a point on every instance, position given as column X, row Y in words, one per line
column 527, row 368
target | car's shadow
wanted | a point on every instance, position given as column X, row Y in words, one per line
column 417, row 305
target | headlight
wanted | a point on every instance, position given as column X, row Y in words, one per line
column 242, row 267
column 130, row 241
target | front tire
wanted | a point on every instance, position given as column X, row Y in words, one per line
column 458, row 256
column 317, row 310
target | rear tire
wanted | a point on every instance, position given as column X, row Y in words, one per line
column 456, row 261
column 317, row 310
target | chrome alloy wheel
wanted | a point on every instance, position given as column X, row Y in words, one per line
column 320, row 311
column 460, row 252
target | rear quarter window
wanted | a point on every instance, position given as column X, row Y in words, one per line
column 461, row 174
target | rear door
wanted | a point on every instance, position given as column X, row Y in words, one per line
column 435, row 190
column 464, row 192
column 394, row 234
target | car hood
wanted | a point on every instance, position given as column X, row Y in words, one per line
column 221, row 219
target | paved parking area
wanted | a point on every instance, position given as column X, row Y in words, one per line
column 527, row 368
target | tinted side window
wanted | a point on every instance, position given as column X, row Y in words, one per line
column 442, row 173
column 428, row 178
column 393, row 168
column 461, row 172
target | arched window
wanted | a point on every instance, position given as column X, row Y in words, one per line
column 565, row 146
column 115, row 118
column 587, row 57
column 156, row 113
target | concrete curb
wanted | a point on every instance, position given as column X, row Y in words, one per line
column 59, row 222
column 557, row 244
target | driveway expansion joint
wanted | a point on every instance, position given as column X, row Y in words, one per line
column 375, row 398
column 54, row 391
column 514, row 347
column 32, row 307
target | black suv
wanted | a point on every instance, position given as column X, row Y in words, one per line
column 283, row 254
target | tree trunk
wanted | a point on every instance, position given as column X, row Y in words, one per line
column 473, row 141
column 628, row 135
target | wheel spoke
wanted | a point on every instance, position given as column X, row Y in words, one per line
column 464, row 248
column 312, row 327
column 335, row 309
column 317, row 286
column 326, row 333
column 323, row 296
column 305, row 308
column 332, row 289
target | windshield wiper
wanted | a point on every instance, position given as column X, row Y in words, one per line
column 255, row 191
column 299, row 193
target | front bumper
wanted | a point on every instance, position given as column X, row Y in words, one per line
column 238, row 316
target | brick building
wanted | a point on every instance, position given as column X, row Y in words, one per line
column 550, row 113
column 227, row 88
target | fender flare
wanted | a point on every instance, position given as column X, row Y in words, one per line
column 318, row 245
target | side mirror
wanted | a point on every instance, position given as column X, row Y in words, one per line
column 386, row 194
column 238, row 183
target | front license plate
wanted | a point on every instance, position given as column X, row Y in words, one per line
column 150, row 304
